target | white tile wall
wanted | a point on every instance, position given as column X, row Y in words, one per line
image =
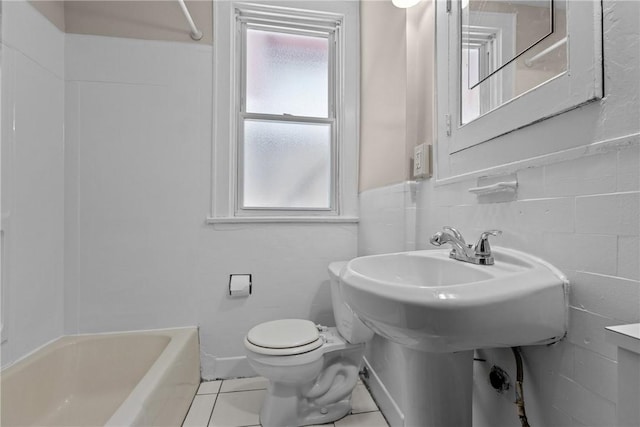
column 614, row 213
column 387, row 224
column 584, row 406
column 608, row 296
column 580, row 215
column 32, row 179
column 586, row 330
column 583, row 216
column 595, row 372
column 628, row 171
column 600, row 256
column 628, row 256
column 388, row 216
column 588, row 175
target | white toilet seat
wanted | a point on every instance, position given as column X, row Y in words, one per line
column 284, row 337
column 283, row 351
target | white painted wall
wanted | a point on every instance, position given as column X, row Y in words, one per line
column 32, row 179
column 385, row 148
column 138, row 180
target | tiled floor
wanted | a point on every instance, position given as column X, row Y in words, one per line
column 236, row 403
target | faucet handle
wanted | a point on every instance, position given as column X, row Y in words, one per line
column 455, row 233
column 482, row 248
column 436, row 239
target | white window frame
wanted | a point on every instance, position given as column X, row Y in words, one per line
column 298, row 25
column 229, row 19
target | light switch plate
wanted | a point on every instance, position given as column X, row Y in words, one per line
column 422, row 161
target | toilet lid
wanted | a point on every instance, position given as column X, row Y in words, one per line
column 285, row 333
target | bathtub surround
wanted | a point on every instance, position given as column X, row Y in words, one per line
column 32, row 180
column 131, row 191
column 138, row 244
column 136, row 122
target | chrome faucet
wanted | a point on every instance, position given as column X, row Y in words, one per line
column 480, row 253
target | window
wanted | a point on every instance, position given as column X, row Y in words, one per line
column 290, row 144
column 286, row 116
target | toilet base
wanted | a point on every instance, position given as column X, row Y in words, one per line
column 309, row 388
column 283, row 400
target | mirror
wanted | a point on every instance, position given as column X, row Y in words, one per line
column 495, row 32
column 507, row 48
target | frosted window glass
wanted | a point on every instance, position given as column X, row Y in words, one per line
column 287, row 165
column 287, row 73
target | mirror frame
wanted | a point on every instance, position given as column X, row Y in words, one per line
column 580, row 84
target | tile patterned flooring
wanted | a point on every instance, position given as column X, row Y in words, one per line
column 236, row 403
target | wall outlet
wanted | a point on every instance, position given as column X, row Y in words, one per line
column 422, row 161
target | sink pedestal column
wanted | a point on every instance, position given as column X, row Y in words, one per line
column 438, row 388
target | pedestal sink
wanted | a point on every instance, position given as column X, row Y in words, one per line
column 440, row 310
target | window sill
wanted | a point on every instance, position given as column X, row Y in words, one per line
column 283, row 219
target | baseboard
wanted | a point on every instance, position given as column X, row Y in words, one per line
column 383, row 398
column 231, row 367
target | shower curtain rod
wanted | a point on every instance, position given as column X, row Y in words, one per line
column 195, row 33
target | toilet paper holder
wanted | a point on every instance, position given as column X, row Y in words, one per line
column 240, row 285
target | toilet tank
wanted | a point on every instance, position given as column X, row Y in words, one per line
column 349, row 326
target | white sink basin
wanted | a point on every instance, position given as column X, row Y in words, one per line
column 427, row 301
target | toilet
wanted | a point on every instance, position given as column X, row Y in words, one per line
column 312, row 369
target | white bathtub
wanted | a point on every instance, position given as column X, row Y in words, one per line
column 125, row 379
